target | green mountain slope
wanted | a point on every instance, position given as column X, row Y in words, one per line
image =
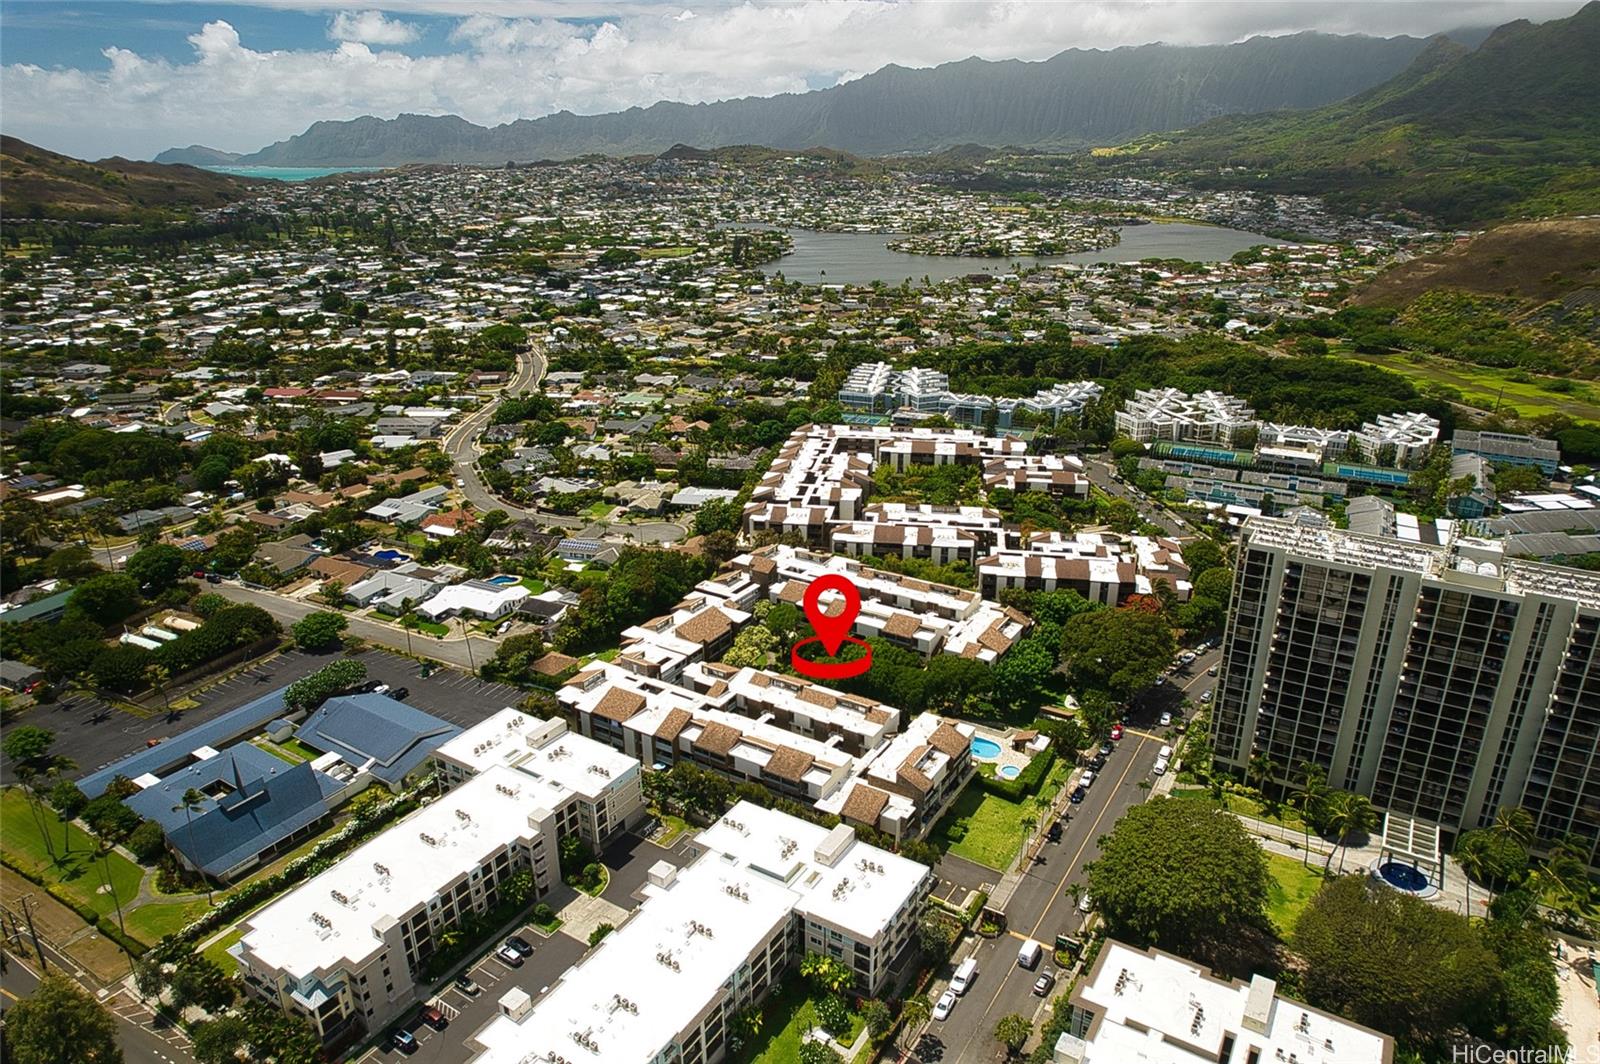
column 36, row 183
column 1510, row 129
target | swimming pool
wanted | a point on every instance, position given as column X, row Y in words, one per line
column 504, row 581
column 390, row 555
column 1403, row 877
column 985, row 749
column 1008, row 772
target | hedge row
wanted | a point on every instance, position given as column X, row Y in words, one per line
column 252, row 894
column 102, row 924
column 1027, row 782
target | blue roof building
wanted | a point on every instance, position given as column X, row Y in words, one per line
column 256, row 805
column 376, row 734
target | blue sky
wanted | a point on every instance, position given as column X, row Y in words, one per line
column 98, row 78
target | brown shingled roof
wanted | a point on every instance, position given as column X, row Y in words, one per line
column 947, row 740
column 705, row 626
column 864, row 804
column 553, row 663
column 903, row 626
column 817, row 698
column 673, row 724
column 787, row 763
column 717, row 738
column 582, row 678
column 619, row 704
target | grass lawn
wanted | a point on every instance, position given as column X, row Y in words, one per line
column 786, row 1016
column 153, row 922
column 276, row 751
column 666, row 252
column 595, row 511
column 1482, row 387
column 535, row 587
column 1244, row 805
column 433, row 628
column 78, row 875
column 994, row 825
column 675, row 826
column 1293, row 886
column 217, row 952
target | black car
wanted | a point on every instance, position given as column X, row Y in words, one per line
column 1076, row 797
column 520, row 944
column 399, row 693
column 1106, row 748
column 1097, row 762
column 1054, row 834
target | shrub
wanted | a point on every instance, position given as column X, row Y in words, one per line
column 833, row 1014
column 599, row 933
column 148, row 842
column 1027, row 782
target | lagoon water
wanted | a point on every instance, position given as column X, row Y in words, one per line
column 861, row 258
column 290, row 173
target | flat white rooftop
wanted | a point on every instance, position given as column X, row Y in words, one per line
column 327, row 922
column 840, row 880
column 558, row 761
column 1154, row 1008
column 647, row 981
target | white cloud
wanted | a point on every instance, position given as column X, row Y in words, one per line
column 528, row 58
column 371, row 27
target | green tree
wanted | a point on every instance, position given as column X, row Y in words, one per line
column 1392, row 962
column 105, row 599
column 1310, row 795
column 827, row 974
column 1019, row 675
column 157, row 567
column 28, row 743
column 1117, row 651
column 311, row 691
column 197, row 980
column 1348, row 814
column 937, row 933
column 1179, row 875
column 123, row 667
column 915, row 1012
column 317, row 631
column 218, row 1041
column 59, row 1023
column 878, row 1017
column 1012, row 1031
column 192, row 799
column 600, row 932
column 751, row 648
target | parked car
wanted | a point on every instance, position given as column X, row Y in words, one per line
column 399, row 693
column 1207, row 696
column 508, row 956
column 154, row 742
column 1054, row 834
column 1076, row 797
column 1028, row 954
column 1213, row 670
column 467, row 986
column 1086, row 780
column 961, row 982
column 434, row 1018
column 1046, row 980
column 1085, row 902
column 381, row 689
column 1097, row 762
column 1165, row 753
column 1166, row 720
column 945, row 1005
column 1186, row 657
column 403, row 1041
column 1106, row 749
column 1116, row 733
column 213, row 578
column 1160, row 680
column 1160, row 768
column 521, row 945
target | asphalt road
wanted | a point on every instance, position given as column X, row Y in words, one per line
column 462, row 652
column 140, row 1040
column 1041, row 908
column 1100, row 472
column 461, row 444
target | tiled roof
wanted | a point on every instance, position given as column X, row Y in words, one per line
column 706, row 626
column 947, row 740
column 672, row 724
column 717, row 738
column 864, row 804
column 619, row 704
column 787, row 763
column 903, row 625
column 553, row 663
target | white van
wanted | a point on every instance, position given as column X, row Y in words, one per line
column 965, row 975
column 1029, row 953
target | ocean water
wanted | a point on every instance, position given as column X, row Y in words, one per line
column 290, row 173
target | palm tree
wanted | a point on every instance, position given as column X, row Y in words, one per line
column 1474, row 865
column 27, row 776
column 1515, row 823
column 1028, row 823
column 1349, row 814
column 1563, row 877
column 1310, row 795
column 1260, row 770
column 192, row 800
column 915, row 1013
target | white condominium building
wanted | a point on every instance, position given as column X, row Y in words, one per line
column 1101, row 566
column 346, row 948
column 927, row 618
column 700, row 628
column 904, row 787
column 878, row 387
column 1053, row 474
column 941, row 534
column 1395, row 439
column 1155, row 1008
column 854, row 723
column 716, row 937
column 592, row 790
column 1169, row 414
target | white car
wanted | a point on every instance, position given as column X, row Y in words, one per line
column 1085, row 780
column 1166, row 720
column 1165, row 753
column 1186, row 657
column 1085, row 903
column 1207, row 696
column 1160, row 767
column 945, row 1005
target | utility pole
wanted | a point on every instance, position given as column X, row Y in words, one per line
column 44, row 965
column 462, row 621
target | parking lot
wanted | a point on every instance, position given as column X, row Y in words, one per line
column 628, row 859
column 94, row 734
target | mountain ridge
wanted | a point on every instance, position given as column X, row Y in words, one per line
column 39, row 183
column 1075, row 98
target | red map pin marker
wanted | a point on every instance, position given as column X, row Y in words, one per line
column 832, row 630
